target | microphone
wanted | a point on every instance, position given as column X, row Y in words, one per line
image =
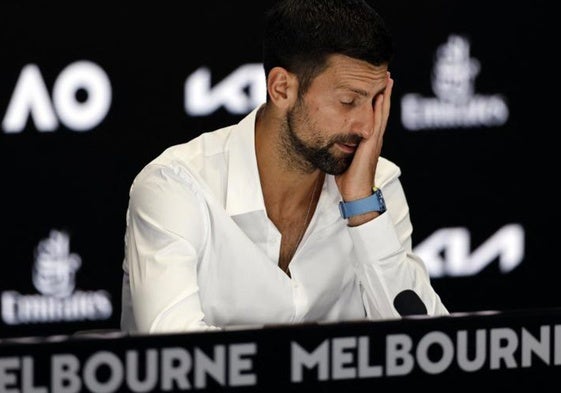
column 407, row 302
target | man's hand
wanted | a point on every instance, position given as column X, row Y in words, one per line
column 357, row 181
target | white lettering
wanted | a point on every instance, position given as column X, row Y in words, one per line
column 31, row 99
column 418, row 113
column 64, row 374
column 445, row 344
column 150, row 370
column 176, row 369
column 28, row 377
column 239, row 364
column 399, row 360
column 341, row 358
column 500, row 351
column 480, row 350
column 176, row 364
column 9, row 307
column 81, row 305
column 8, row 379
column 214, row 367
column 532, row 345
column 111, row 362
column 365, row 370
column 300, row 358
column 557, row 345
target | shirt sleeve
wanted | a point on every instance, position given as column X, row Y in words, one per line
column 167, row 225
column 386, row 263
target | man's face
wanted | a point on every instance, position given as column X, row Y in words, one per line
column 325, row 126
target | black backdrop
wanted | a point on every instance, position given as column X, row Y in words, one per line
column 488, row 186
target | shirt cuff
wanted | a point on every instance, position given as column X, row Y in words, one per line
column 376, row 239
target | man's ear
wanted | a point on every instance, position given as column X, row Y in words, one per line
column 282, row 87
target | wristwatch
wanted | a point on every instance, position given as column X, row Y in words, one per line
column 372, row 203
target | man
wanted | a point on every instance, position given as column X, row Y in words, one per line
column 281, row 218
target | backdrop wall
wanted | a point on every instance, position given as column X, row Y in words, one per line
column 90, row 94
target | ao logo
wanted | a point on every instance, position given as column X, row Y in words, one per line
column 31, row 98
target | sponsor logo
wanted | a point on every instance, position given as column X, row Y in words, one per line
column 54, row 277
column 238, row 93
column 456, row 104
column 447, row 252
column 81, row 98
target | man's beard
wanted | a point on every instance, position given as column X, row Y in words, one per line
column 316, row 154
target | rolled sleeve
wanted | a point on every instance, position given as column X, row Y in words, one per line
column 386, row 264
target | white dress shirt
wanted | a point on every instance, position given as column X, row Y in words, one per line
column 201, row 253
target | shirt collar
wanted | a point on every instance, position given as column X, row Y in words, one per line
column 244, row 193
column 244, row 186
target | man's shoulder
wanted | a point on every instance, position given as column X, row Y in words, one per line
column 205, row 144
column 191, row 161
column 215, row 142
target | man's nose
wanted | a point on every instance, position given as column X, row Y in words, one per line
column 363, row 121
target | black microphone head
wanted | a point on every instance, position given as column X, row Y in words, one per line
column 407, row 302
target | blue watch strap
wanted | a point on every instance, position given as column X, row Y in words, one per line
column 372, row 203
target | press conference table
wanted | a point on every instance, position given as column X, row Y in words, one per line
column 489, row 351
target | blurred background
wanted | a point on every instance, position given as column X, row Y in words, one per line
column 89, row 94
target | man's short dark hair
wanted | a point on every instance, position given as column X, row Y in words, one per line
column 299, row 35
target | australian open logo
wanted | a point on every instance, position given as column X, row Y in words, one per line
column 54, row 277
column 456, row 103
